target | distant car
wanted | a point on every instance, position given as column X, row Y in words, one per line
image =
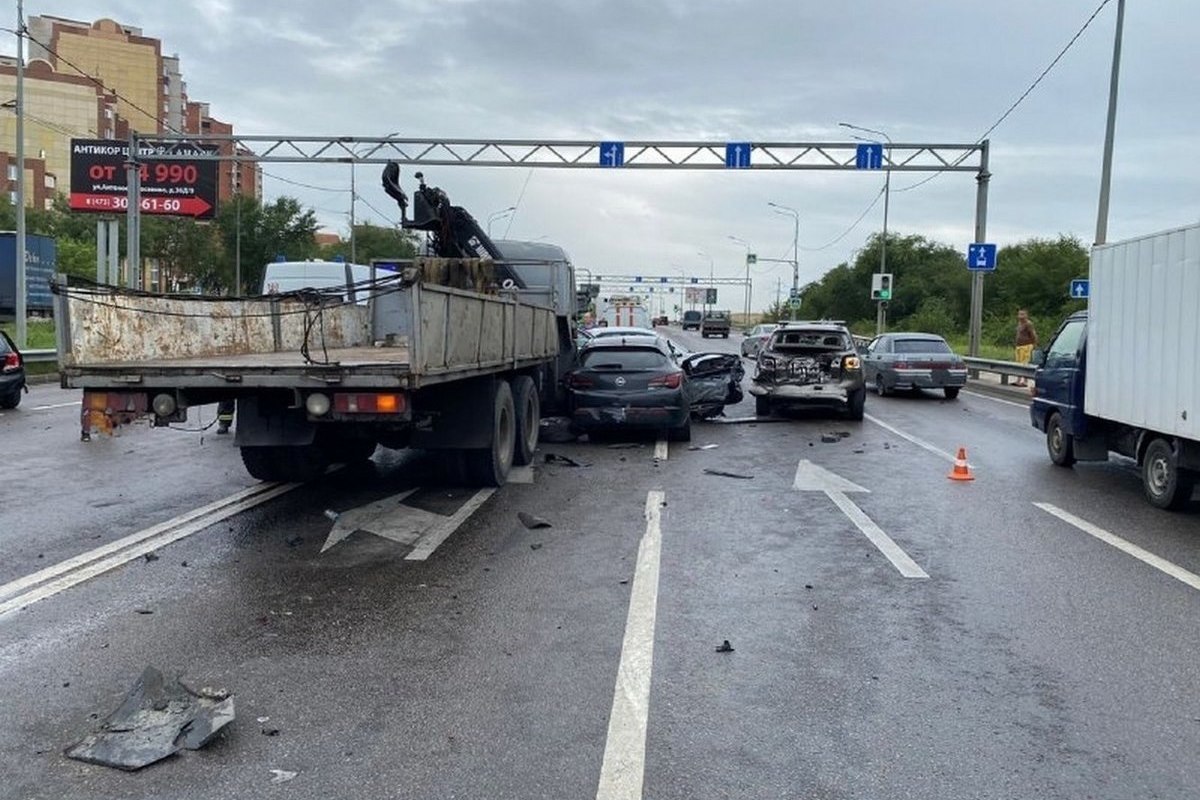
column 629, row 382
column 660, row 321
column 12, row 373
column 809, row 364
column 691, row 320
column 677, row 351
column 715, row 323
column 907, row 361
column 756, row 337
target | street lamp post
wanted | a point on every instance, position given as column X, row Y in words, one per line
column 497, row 215
column 743, row 242
column 880, row 310
column 795, row 252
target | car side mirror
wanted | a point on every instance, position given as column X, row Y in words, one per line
column 1038, row 358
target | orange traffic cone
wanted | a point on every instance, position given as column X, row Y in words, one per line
column 962, row 470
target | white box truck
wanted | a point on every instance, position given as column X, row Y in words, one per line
column 1122, row 377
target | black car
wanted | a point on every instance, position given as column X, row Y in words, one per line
column 629, row 382
column 691, row 320
column 12, row 373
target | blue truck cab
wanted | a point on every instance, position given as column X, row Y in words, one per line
column 1058, row 388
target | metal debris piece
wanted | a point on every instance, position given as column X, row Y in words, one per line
column 554, row 458
column 532, row 522
column 295, row 540
column 331, row 514
column 704, row 447
column 722, row 473
column 157, row 718
column 282, row 775
column 830, row 438
column 142, row 611
column 725, row 647
column 151, row 556
column 625, row 446
column 535, row 546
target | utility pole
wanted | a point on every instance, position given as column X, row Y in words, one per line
column 1109, row 130
column 795, row 255
column 22, row 310
column 981, row 192
column 353, row 199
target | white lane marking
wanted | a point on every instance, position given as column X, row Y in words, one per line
column 55, row 405
column 99, row 567
column 900, row 559
column 937, row 451
column 997, row 399
column 624, row 766
column 521, row 474
column 811, row 478
column 661, row 450
column 386, row 518
column 430, row 541
column 233, row 500
column 1145, row 556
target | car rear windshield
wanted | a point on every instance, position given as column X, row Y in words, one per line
column 624, row 359
column 691, row 315
column 787, row 340
column 921, row 346
column 4, row 348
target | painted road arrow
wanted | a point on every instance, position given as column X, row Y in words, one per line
column 812, row 478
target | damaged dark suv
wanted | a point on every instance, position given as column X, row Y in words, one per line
column 810, row 365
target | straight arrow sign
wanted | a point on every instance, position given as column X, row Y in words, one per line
column 812, row 478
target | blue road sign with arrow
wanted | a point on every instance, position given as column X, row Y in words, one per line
column 981, row 257
column 737, row 155
column 1080, row 289
column 869, row 156
column 612, row 154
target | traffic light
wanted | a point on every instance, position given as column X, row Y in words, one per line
column 710, row 297
column 881, row 286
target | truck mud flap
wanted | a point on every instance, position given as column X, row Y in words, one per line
column 259, row 426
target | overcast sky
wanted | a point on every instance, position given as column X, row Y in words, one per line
column 929, row 71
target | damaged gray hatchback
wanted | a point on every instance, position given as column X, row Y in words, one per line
column 809, row 365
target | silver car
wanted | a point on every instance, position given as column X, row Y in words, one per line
column 907, row 361
column 756, row 337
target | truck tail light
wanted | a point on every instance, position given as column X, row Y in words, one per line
column 672, row 381
column 12, row 362
column 372, row 403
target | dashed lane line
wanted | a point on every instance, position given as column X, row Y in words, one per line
column 624, row 766
column 1145, row 556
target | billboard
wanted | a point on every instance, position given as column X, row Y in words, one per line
column 183, row 188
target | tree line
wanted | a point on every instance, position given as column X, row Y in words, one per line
column 932, row 288
column 205, row 253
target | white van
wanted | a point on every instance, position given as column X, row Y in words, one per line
column 290, row 276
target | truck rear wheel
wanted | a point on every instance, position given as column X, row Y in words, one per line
column 1166, row 485
column 1059, row 444
column 285, row 463
column 528, row 408
column 489, row 466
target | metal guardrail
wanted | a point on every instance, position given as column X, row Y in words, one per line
column 1005, row 369
column 40, row 356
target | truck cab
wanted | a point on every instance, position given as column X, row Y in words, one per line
column 1058, row 387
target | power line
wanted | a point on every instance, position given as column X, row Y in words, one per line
column 854, row 225
column 1024, row 94
column 303, row 185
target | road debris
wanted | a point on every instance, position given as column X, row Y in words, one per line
column 556, row 430
column 555, row 458
column 331, row 514
column 151, row 556
column 157, row 718
column 725, row 647
column 282, row 775
column 723, row 474
column 704, row 447
column 830, row 438
column 295, row 540
column 531, row 522
column 142, row 611
column 625, row 446
column 535, row 546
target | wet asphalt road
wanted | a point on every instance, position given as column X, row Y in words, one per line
column 1034, row 661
